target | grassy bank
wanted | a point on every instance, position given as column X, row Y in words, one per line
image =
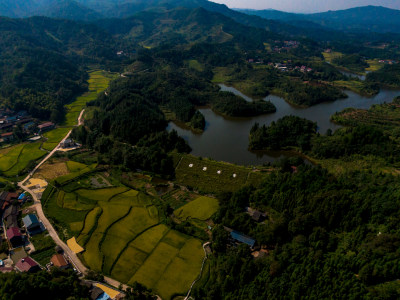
column 209, row 176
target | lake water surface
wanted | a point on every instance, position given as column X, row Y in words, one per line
column 226, row 139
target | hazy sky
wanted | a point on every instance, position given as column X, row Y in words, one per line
column 306, row 5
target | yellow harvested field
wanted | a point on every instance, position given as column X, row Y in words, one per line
column 74, row 246
column 50, row 171
column 37, row 185
column 109, row 291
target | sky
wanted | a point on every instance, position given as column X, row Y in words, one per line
column 307, row 5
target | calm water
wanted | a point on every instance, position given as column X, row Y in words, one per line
column 226, row 139
column 349, row 74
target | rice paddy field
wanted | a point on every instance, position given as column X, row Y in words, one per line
column 122, row 234
column 374, row 65
column 201, row 208
column 98, row 82
column 14, row 160
column 210, row 176
column 329, row 57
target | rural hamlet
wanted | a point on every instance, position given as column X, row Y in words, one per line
column 199, row 149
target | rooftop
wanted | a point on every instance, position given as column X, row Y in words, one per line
column 26, row 264
column 7, row 134
column 13, row 232
column 30, row 220
column 44, row 125
column 59, row 261
column 240, row 237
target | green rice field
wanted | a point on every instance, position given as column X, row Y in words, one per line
column 98, row 82
column 14, row 160
column 201, row 208
column 122, row 235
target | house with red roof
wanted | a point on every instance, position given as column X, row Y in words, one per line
column 27, row 264
column 59, row 261
column 46, row 126
column 8, row 136
column 15, row 237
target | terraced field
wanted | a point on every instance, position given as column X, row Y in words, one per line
column 15, row 159
column 120, row 230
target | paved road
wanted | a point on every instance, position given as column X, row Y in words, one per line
column 52, row 232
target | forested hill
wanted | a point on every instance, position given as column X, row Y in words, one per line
column 90, row 10
column 42, row 60
column 183, row 25
column 366, row 18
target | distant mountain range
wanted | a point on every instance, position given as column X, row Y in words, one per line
column 316, row 26
column 366, row 18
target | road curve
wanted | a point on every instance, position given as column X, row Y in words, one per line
column 52, row 232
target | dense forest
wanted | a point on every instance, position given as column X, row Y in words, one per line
column 42, row 63
column 389, row 75
column 295, row 132
column 327, row 237
column 43, row 285
column 353, row 62
column 288, row 131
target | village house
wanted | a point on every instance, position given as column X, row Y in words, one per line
column 98, row 294
column 46, row 127
column 15, row 237
column 27, row 264
column 11, row 216
column 32, row 224
column 68, row 143
column 29, row 125
column 6, row 198
column 255, row 214
column 241, row 238
column 59, row 261
column 7, row 137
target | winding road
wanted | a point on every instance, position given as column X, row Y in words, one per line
column 79, row 266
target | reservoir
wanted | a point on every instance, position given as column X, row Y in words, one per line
column 226, row 139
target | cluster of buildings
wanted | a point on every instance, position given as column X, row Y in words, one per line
column 388, row 61
column 10, row 119
column 15, row 234
column 255, row 61
column 286, row 46
column 237, row 237
column 283, row 67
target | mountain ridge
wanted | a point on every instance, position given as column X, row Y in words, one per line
column 364, row 18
